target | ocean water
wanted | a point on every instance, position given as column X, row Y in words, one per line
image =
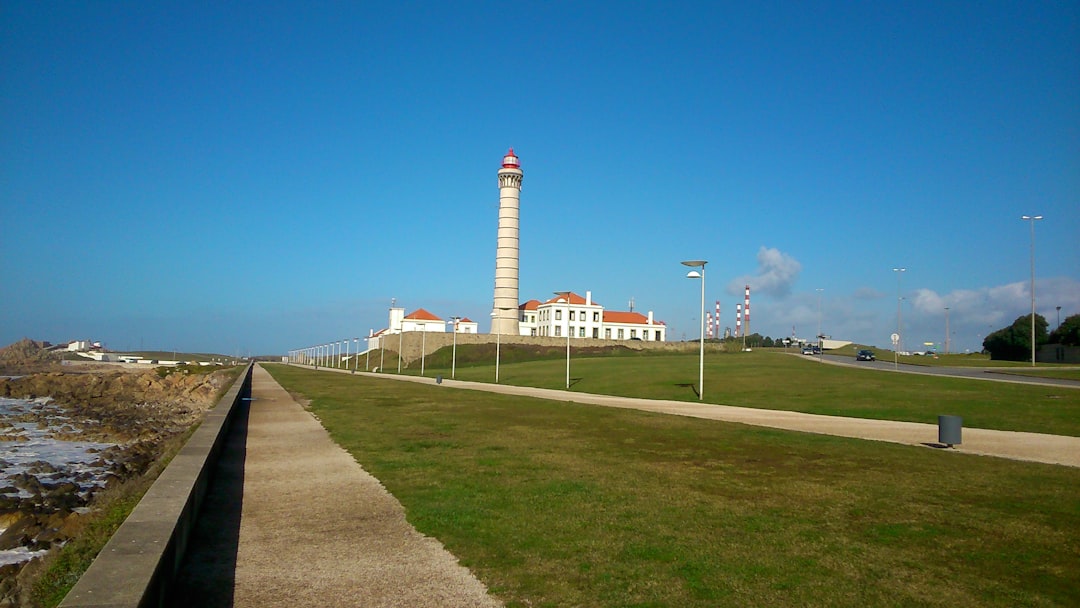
column 31, row 442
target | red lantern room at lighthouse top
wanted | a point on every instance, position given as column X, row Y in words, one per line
column 510, row 161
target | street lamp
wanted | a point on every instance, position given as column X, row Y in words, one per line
column 566, row 296
column 694, row 274
column 820, row 336
column 453, row 358
column 1031, row 219
column 498, row 342
column 946, row 330
column 346, row 353
column 900, row 343
column 401, row 333
column 356, row 362
column 423, row 347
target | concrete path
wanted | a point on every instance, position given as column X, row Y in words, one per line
column 293, row 521
column 1035, row 447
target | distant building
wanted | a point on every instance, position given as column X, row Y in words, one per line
column 418, row 320
column 583, row 318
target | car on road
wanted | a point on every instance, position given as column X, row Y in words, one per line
column 864, row 355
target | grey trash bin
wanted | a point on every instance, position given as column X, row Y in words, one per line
column 438, row 379
column 949, row 430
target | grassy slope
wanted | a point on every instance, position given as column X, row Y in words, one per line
column 555, row 504
column 774, row 380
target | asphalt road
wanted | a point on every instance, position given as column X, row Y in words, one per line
column 992, row 374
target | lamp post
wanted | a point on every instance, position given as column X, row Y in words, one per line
column 423, row 347
column 346, row 352
column 401, row 333
column 820, row 336
column 356, row 362
column 1031, row 219
column 900, row 343
column 453, row 357
column 498, row 343
column 694, row 274
column 566, row 296
column 946, row 330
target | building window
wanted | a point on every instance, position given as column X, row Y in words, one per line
column 571, row 315
column 633, row 333
column 596, row 316
column 571, row 331
column 620, row 333
column 596, row 332
column 558, row 315
column 581, row 331
column 558, row 330
column 607, row 333
column 658, row 335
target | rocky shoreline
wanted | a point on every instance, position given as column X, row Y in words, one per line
column 68, row 435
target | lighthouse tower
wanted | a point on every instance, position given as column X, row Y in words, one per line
column 504, row 318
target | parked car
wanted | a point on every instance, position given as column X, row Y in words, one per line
column 807, row 350
column 864, row 355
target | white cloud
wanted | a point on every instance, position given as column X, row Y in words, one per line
column 777, row 272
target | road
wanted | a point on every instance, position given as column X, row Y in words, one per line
column 992, row 374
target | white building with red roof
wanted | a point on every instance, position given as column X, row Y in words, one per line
column 419, row 320
column 581, row 317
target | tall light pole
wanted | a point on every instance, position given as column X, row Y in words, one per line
column 356, row 363
column 820, row 336
column 423, row 347
column 566, row 296
column 498, row 343
column 401, row 333
column 946, row 330
column 453, row 358
column 900, row 344
column 1031, row 219
column 694, row 274
column 346, row 352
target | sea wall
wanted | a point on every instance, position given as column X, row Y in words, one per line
column 137, row 566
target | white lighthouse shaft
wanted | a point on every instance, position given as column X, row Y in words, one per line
column 505, row 309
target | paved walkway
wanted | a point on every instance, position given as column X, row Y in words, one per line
column 1035, row 447
column 293, row 521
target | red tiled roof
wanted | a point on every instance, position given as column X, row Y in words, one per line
column 530, row 305
column 574, row 299
column 422, row 315
column 612, row 316
column 466, row 320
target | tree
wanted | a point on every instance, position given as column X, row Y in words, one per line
column 1068, row 333
column 1013, row 343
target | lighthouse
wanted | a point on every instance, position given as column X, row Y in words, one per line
column 504, row 315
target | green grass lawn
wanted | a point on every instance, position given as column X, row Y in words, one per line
column 770, row 379
column 560, row 504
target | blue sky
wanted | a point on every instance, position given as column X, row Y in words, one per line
column 246, row 178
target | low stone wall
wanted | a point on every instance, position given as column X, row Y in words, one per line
column 137, row 566
column 413, row 343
